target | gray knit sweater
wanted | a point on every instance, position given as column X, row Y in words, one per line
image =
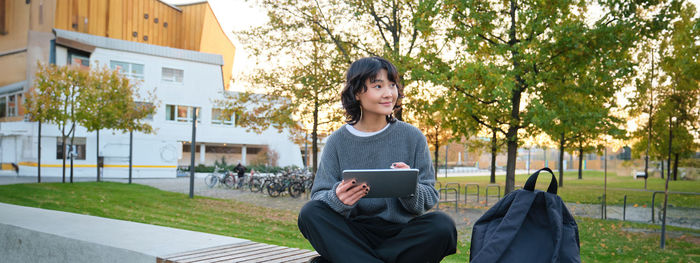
column 401, row 142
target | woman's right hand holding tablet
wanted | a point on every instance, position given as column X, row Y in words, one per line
column 349, row 192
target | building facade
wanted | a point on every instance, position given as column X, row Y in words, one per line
column 185, row 64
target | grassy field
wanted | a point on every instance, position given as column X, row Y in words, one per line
column 590, row 188
column 601, row 241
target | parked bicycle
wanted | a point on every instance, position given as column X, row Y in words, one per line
column 219, row 176
column 285, row 183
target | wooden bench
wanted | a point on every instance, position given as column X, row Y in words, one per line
column 241, row 252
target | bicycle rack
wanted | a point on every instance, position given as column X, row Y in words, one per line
column 447, row 185
column 466, row 192
column 653, row 197
column 438, row 185
column 498, row 195
column 445, row 195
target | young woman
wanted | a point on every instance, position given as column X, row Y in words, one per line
column 345, row 227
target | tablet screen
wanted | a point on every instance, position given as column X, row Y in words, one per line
column 386, row 182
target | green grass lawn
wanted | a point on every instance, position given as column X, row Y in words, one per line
column 590, row 188
column 601, row 241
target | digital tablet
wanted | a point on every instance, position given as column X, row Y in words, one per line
column 386, row 182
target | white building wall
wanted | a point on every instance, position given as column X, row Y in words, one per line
column 154, row 155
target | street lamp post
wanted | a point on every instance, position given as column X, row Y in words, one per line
column 668, row 177
column 192, row 150
column 605, row 184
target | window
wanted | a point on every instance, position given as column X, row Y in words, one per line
column 131, row 70
column 181, row 113
column 4, row 13
column 172, row 75
column 11, row 106
column 3, row 107
column 77, row 150
column 77, row 59
column 170, row 112
column 217, row 117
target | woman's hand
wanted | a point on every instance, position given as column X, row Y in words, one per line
column 349, row 192
column 400, row 165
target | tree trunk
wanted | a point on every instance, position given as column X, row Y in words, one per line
column 437, row 152
column 675, row 166
column 580, row 163
column 63, row 152
column 520, row 86
column 646, row 157
column 97, row 155
column 38, row 164
column 494, row 148
column 314, row 139
column 131, row 145
column 72, row 145
column 662, row 169
column 561, row 161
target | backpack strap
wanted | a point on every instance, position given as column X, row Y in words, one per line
column 530, row 184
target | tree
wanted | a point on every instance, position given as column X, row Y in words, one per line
column 425, row 107
column 579, row 103
column 682, row 74
column 675, row 95
column 69, row 95
column 44, row 102
column 111, row 101
column 53, row 99
column 300, row 94
column 525, row 42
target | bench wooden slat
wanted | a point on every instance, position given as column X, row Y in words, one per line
column 225, row 253
column 297, row 258
column 235, row 257
column 281, row 255
column 215, row 250
column 240, row 252
column 205, row 250
column 261, row 256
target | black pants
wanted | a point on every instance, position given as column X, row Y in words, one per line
column 427, row 238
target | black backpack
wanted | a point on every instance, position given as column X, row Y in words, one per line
column 527, row 225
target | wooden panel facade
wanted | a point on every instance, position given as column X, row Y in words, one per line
column 133, row 20
column 214, row 40
column 16, row 25
column 193, row 18
column 147, row 21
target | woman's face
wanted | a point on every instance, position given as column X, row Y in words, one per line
column 380, row 97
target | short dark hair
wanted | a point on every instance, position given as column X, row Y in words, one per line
column 359, row 71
